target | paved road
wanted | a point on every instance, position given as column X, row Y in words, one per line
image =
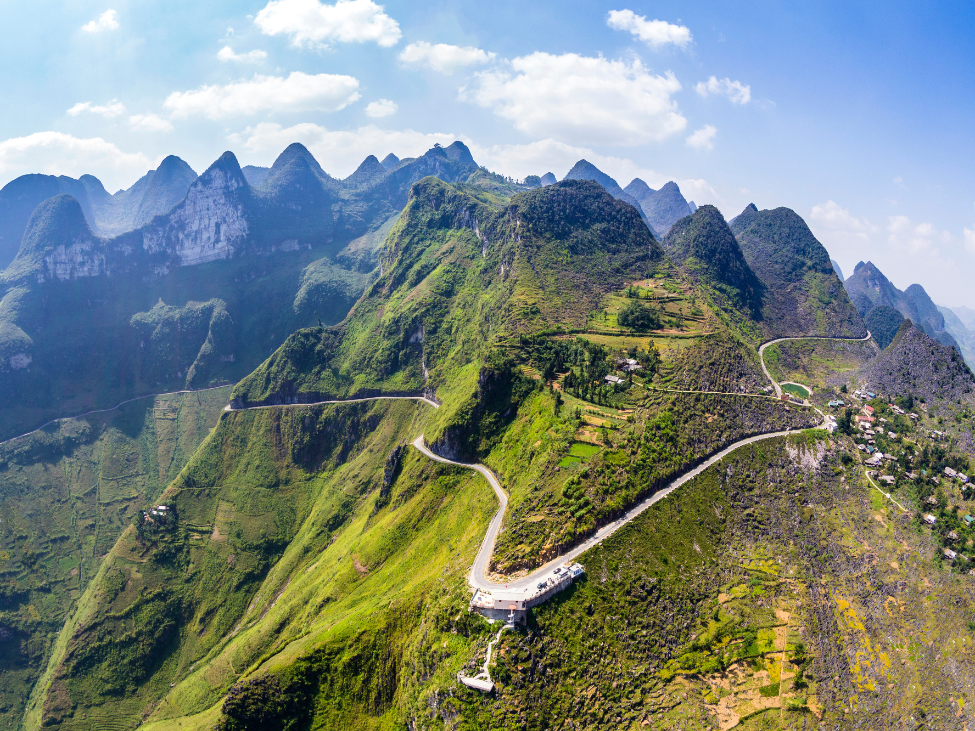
column 424, row 399
column 477, row 576
column 483, row 558
column 761, row 352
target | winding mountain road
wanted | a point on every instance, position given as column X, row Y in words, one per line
column 478, row 574
column 763, row 346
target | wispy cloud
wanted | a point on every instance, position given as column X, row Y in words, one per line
column 312, row 23
column 381, row 108
column 296, row 92
column 736, row 91
column 702, row 139
column 113, row 109
column 106, row 21
column 56, row 153
column 655, row 33
column 227, row 54
column 442, row 57
column 150, row 122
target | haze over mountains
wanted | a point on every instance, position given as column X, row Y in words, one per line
column 588, row 343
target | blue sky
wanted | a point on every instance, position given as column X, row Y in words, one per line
column 859, row 116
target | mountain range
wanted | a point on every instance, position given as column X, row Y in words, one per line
column 216, row 282
column 883, row 306
column 273, row 553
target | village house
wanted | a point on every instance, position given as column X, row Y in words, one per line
column 930, row 519
column 950, row 472
column 932, row 500
column 950, row 555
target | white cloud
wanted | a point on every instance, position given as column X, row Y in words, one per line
column 56, row 153
column 444, row 58
column 702, row 139
column 312, row 23
column 381, row 108
column 911, row 238
column 227, row 54
column 106, row 21
column 338, row 151
column 112, row 109
column 655, row 33
column 542, row 156
column 581, row 100
column 150, row 122
column 832, row 216
column 736, row 91
column 297, row 92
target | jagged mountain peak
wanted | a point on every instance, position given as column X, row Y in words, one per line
column 549, row 179
column 297, row 154
column 390, row 161
column 803, row 295
column 458, row 152
column 638, row 188
column 369, row 171
column 585, row 170
column 705, row 246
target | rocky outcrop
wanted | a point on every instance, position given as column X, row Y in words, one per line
column 211, row 222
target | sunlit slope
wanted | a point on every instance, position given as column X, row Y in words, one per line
column 461, row 273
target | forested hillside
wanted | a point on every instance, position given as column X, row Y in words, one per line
column 802, row 293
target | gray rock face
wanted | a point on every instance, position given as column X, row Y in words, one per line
column 155, row 193
column 663, row 208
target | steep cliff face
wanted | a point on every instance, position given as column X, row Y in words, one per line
column 211, row 222
column 59, row 245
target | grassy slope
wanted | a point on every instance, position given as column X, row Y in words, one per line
column 278, row 499
column 68, row 492
column 282, row 563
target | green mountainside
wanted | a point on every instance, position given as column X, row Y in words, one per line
column 310, row 567
column 704, row 246
column 67, row 493
column 802, row 293
column 585, row 170
column 198, row 296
